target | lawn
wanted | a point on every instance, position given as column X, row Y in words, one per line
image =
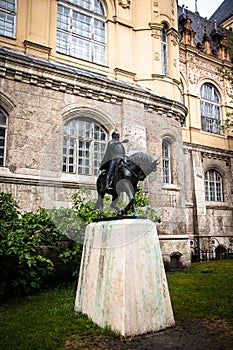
column 204, row 291
column 47, row 321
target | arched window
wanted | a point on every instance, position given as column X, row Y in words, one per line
column 3, row 133
column 166, row 155
column 210, row 109
column 83, row 146
column 81, row 29
column 213, row 186
column 164, row 51
column 7, row 18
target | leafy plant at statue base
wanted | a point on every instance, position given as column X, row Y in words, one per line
column 83, row 203
column 144, row 206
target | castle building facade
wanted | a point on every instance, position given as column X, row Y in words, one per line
column 73, row 71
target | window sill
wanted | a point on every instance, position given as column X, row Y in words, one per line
column 218, row 205
column 170, row 187
column 211, row 133
column 89, row 180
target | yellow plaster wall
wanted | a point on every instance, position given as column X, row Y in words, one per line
column 133, row 40
column 198, row 68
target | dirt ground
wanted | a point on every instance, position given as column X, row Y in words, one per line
column 186, row 335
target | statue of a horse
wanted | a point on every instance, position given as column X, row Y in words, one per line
column 129, row 172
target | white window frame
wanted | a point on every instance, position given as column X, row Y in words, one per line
column 213, row 186
column 8, row 11
column 81, row 30
column 84, row 145
column 164, row 51
column 3, row 138
column 166, row 157
column 210, row 109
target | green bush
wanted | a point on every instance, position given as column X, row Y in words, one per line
column 37, row 249
column 32, row 249
column 83, row 204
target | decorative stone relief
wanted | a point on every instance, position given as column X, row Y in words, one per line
column 173, row 11
column 124, row 3
column 229, row 91
column 192, row 69
column 155, row 30
column 156, row 56
column 155, row 10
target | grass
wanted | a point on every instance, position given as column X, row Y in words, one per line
column 47, row 321
column 44, row 321
column 204, row 291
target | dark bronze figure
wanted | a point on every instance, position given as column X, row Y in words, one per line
column 112, row 157
column 128, row 171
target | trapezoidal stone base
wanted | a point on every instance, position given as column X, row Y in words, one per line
column 122, row 283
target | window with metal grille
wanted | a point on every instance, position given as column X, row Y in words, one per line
column 213, row 186
column 81, row 29
column 3, row 133
column 164, row 49
column 7, row 18
column 166, row 155
column 83, row 147
column 210, row 109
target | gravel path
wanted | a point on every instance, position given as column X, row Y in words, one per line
column 186, row 335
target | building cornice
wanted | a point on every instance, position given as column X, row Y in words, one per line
column 72, row 80
column 209, row 152
column 188, row 49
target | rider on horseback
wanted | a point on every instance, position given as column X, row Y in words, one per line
column 114, row 153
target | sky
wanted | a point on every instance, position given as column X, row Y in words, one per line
column 206, row 8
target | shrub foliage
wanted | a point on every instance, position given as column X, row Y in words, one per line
column 38, row 247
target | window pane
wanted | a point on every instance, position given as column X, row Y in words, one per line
column 2, row 118
column 98, row 7
column 63, row 18
column 166, row 162
column 99, row 149
column 81, row 24
column 82, row 3
column 81, row 34
column 84, row 158
column 99, row 133
column 7, row 24
column 3, row 133
column 7, row 5
column 81, row 49
column 63, row 43
column 213, row 186
column 164, row 52
column 84, row 129
column 69, row 155
column 99, row 31
column 99, row 54
column 91, row 140
column 210, row 111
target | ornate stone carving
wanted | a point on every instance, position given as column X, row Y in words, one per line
column 156, row 56
column 124, row 3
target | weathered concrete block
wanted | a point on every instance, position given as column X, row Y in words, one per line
column 122, row 282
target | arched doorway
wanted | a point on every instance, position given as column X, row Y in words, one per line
column 220, row 252
column 175, row 262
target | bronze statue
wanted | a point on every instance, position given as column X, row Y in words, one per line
column 121, row 173
column 112, row 157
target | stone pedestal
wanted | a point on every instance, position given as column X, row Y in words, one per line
column 122, row 282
